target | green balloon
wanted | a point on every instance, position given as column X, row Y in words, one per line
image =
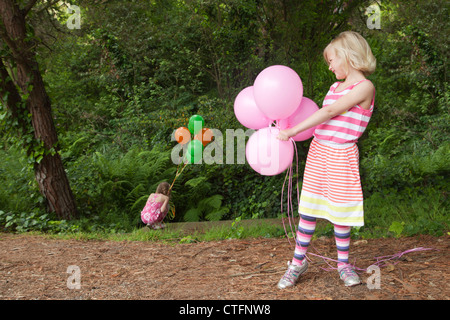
column 190, row 159
column 196, row 123
column 194, row 151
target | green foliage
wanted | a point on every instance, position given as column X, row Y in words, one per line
column 397, row 228
column 406, row 213
column 209, row 208
column 238, row 230
column 18, row 189
column 34, row 221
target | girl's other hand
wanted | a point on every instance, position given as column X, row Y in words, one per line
column 283, row 135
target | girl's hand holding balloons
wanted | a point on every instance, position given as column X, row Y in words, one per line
column 284, row 135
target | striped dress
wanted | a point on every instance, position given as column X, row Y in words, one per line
column 331, row 183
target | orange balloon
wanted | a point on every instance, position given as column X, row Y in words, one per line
column 182, row 135
column 205, row 136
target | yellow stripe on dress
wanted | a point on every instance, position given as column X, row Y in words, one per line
column 351, row 213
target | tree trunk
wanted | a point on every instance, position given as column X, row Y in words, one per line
column 49, row 171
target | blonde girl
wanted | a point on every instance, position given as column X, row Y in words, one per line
column 331, row 187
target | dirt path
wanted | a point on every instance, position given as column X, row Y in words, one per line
column 34, row 267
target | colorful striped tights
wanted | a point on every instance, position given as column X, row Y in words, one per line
column 305, row 231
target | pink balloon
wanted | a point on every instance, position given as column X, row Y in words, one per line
column 247, row 112
column 278, row 91
column 306, row 108
column 266, row 154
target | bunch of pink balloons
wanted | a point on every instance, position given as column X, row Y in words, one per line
column 276, row 95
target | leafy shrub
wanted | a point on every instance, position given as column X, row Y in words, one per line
column 18, row 187
column 34, row 221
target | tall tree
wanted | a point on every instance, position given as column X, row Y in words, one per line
column 23, row 92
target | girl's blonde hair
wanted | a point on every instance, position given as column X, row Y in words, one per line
column 163, row 188
column 355, row 50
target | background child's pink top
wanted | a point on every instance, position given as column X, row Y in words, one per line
column 151, row 213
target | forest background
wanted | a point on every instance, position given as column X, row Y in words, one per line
column 132, row 72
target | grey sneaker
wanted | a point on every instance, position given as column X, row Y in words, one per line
column 156, row 226
column 159, row 226
column 349, row 276
column 291, row 275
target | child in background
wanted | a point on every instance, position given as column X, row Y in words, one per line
column 157, row 207
column 331, row 185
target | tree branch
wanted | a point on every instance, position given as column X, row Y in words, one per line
column 50, row 4
column 10, row 96
column 5, row 37
column 28, row 7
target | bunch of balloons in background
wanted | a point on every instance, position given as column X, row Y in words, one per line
column 276, row 96
column 194, row 151
column 201, row 137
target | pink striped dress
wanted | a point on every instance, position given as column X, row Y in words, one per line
column 331, row 183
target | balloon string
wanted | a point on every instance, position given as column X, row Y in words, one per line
column 378, row 263
column 178, row 173
column 289, row 206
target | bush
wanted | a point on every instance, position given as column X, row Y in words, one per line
column 34, row 221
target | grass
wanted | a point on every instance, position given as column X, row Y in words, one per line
column 169, row 234
column 174, row 235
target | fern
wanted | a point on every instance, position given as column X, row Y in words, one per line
column 135, row 194
column 217, row 214
column 139, row 204
column 209, row 209
column 216, row 210
column 124, row 182
column 199, row 182
column 192, row 215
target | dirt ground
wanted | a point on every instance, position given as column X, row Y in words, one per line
column 37, row 268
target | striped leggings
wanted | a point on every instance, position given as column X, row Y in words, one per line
column 305, row 231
